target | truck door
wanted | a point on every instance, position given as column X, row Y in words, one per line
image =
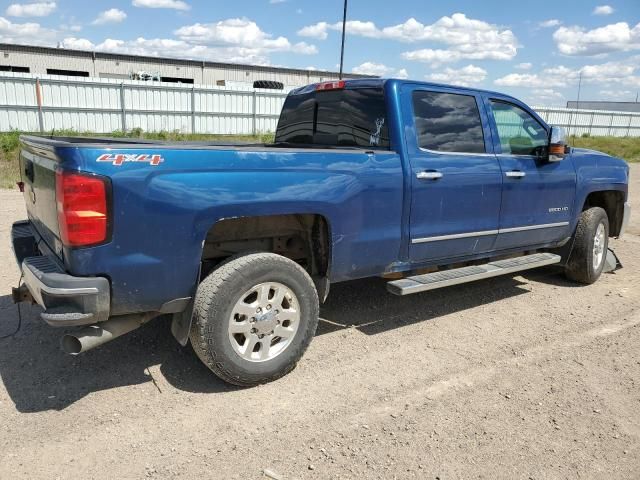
column 455, row 179
column 537, row 196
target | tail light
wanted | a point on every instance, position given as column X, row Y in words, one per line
column 83, row 210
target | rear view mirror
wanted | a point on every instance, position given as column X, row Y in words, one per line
column 557, row 144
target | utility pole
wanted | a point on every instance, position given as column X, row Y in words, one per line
column 344, row 31
column 579, row 87
column 577, row 107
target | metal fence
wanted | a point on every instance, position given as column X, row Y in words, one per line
column 595, row 123
column 47, row 103
column 51, row 103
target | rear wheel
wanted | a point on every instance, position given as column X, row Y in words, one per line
column 254, row 317
column 590, row 247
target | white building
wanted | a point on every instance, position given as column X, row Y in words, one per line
column 58, row 61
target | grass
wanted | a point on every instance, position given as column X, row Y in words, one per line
column 627, row 148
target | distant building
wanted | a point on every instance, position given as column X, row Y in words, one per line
column 77, row 63
column 612, row 106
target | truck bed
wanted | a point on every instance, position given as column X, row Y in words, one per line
column 52, row 142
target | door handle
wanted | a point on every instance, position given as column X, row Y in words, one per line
column 515, row 174
column 429, row 175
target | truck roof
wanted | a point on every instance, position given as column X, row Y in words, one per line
column 380, row 82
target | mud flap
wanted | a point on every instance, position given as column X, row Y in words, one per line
column 181, row 324
column 611, row 262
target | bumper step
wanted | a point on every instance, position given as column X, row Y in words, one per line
column 456, row 276
column 67, row 300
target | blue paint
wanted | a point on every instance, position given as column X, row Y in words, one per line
column 372, row 201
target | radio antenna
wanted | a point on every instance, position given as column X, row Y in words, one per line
column 344, row 31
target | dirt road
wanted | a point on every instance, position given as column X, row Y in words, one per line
column 520, row 377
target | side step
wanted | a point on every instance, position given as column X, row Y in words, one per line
column 446, row 278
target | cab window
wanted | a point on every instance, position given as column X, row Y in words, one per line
column 519, row 132
column 448, row 122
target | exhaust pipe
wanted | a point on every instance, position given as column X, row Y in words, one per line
column 95, row 335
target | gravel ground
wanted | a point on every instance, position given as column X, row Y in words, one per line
column 518, row 377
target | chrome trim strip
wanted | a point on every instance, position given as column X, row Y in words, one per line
column 455, row 236
column 533, row 227
column 487, row 232
column 465, row 154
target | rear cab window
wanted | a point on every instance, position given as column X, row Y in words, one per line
column 350, row 117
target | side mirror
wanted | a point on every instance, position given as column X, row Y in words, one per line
column 558, row 147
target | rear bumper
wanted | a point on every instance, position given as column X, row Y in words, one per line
column 625, row 218
column 67, row 300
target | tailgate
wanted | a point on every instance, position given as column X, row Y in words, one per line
column 38, row 171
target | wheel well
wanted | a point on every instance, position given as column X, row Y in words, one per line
column 303, row 238
column 612, row 201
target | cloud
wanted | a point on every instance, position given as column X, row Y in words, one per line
column 317, row 31
column 379, row 70
column 402, row 74
column 73, row 43
column 70, row 28
column 275, row 2
column 167, row 47
column 113, row 15
column 524, row 66
column 465, row 38
column 41, row 9
column 25, row 33
column 553, row 22
column 621, row 72
column 603, row 10
column 371, row 68
column 242, row 33
column 172, row 4
column 548, row 94
column 232, row 40
column 545, row 96
column 466, row 76
column 627, row 95
column 617, row 37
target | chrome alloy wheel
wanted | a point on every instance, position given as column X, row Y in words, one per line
column 599, row 245
column 264, row 321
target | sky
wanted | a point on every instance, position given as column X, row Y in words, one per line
column 536, row 51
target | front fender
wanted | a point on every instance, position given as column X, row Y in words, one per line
column 598, row 172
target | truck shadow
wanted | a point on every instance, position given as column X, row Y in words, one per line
column 39, row 377
column 367, row 306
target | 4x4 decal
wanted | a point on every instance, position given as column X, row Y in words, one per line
column 120, row 158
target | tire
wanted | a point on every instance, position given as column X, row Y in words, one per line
column 268, row 84
column 224, row 293
column 582, row 267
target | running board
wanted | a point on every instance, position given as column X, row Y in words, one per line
column 456, row 276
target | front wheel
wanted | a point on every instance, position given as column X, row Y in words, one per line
column 590, row 247
column 254, row 317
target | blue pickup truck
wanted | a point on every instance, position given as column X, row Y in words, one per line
column 426, row 185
